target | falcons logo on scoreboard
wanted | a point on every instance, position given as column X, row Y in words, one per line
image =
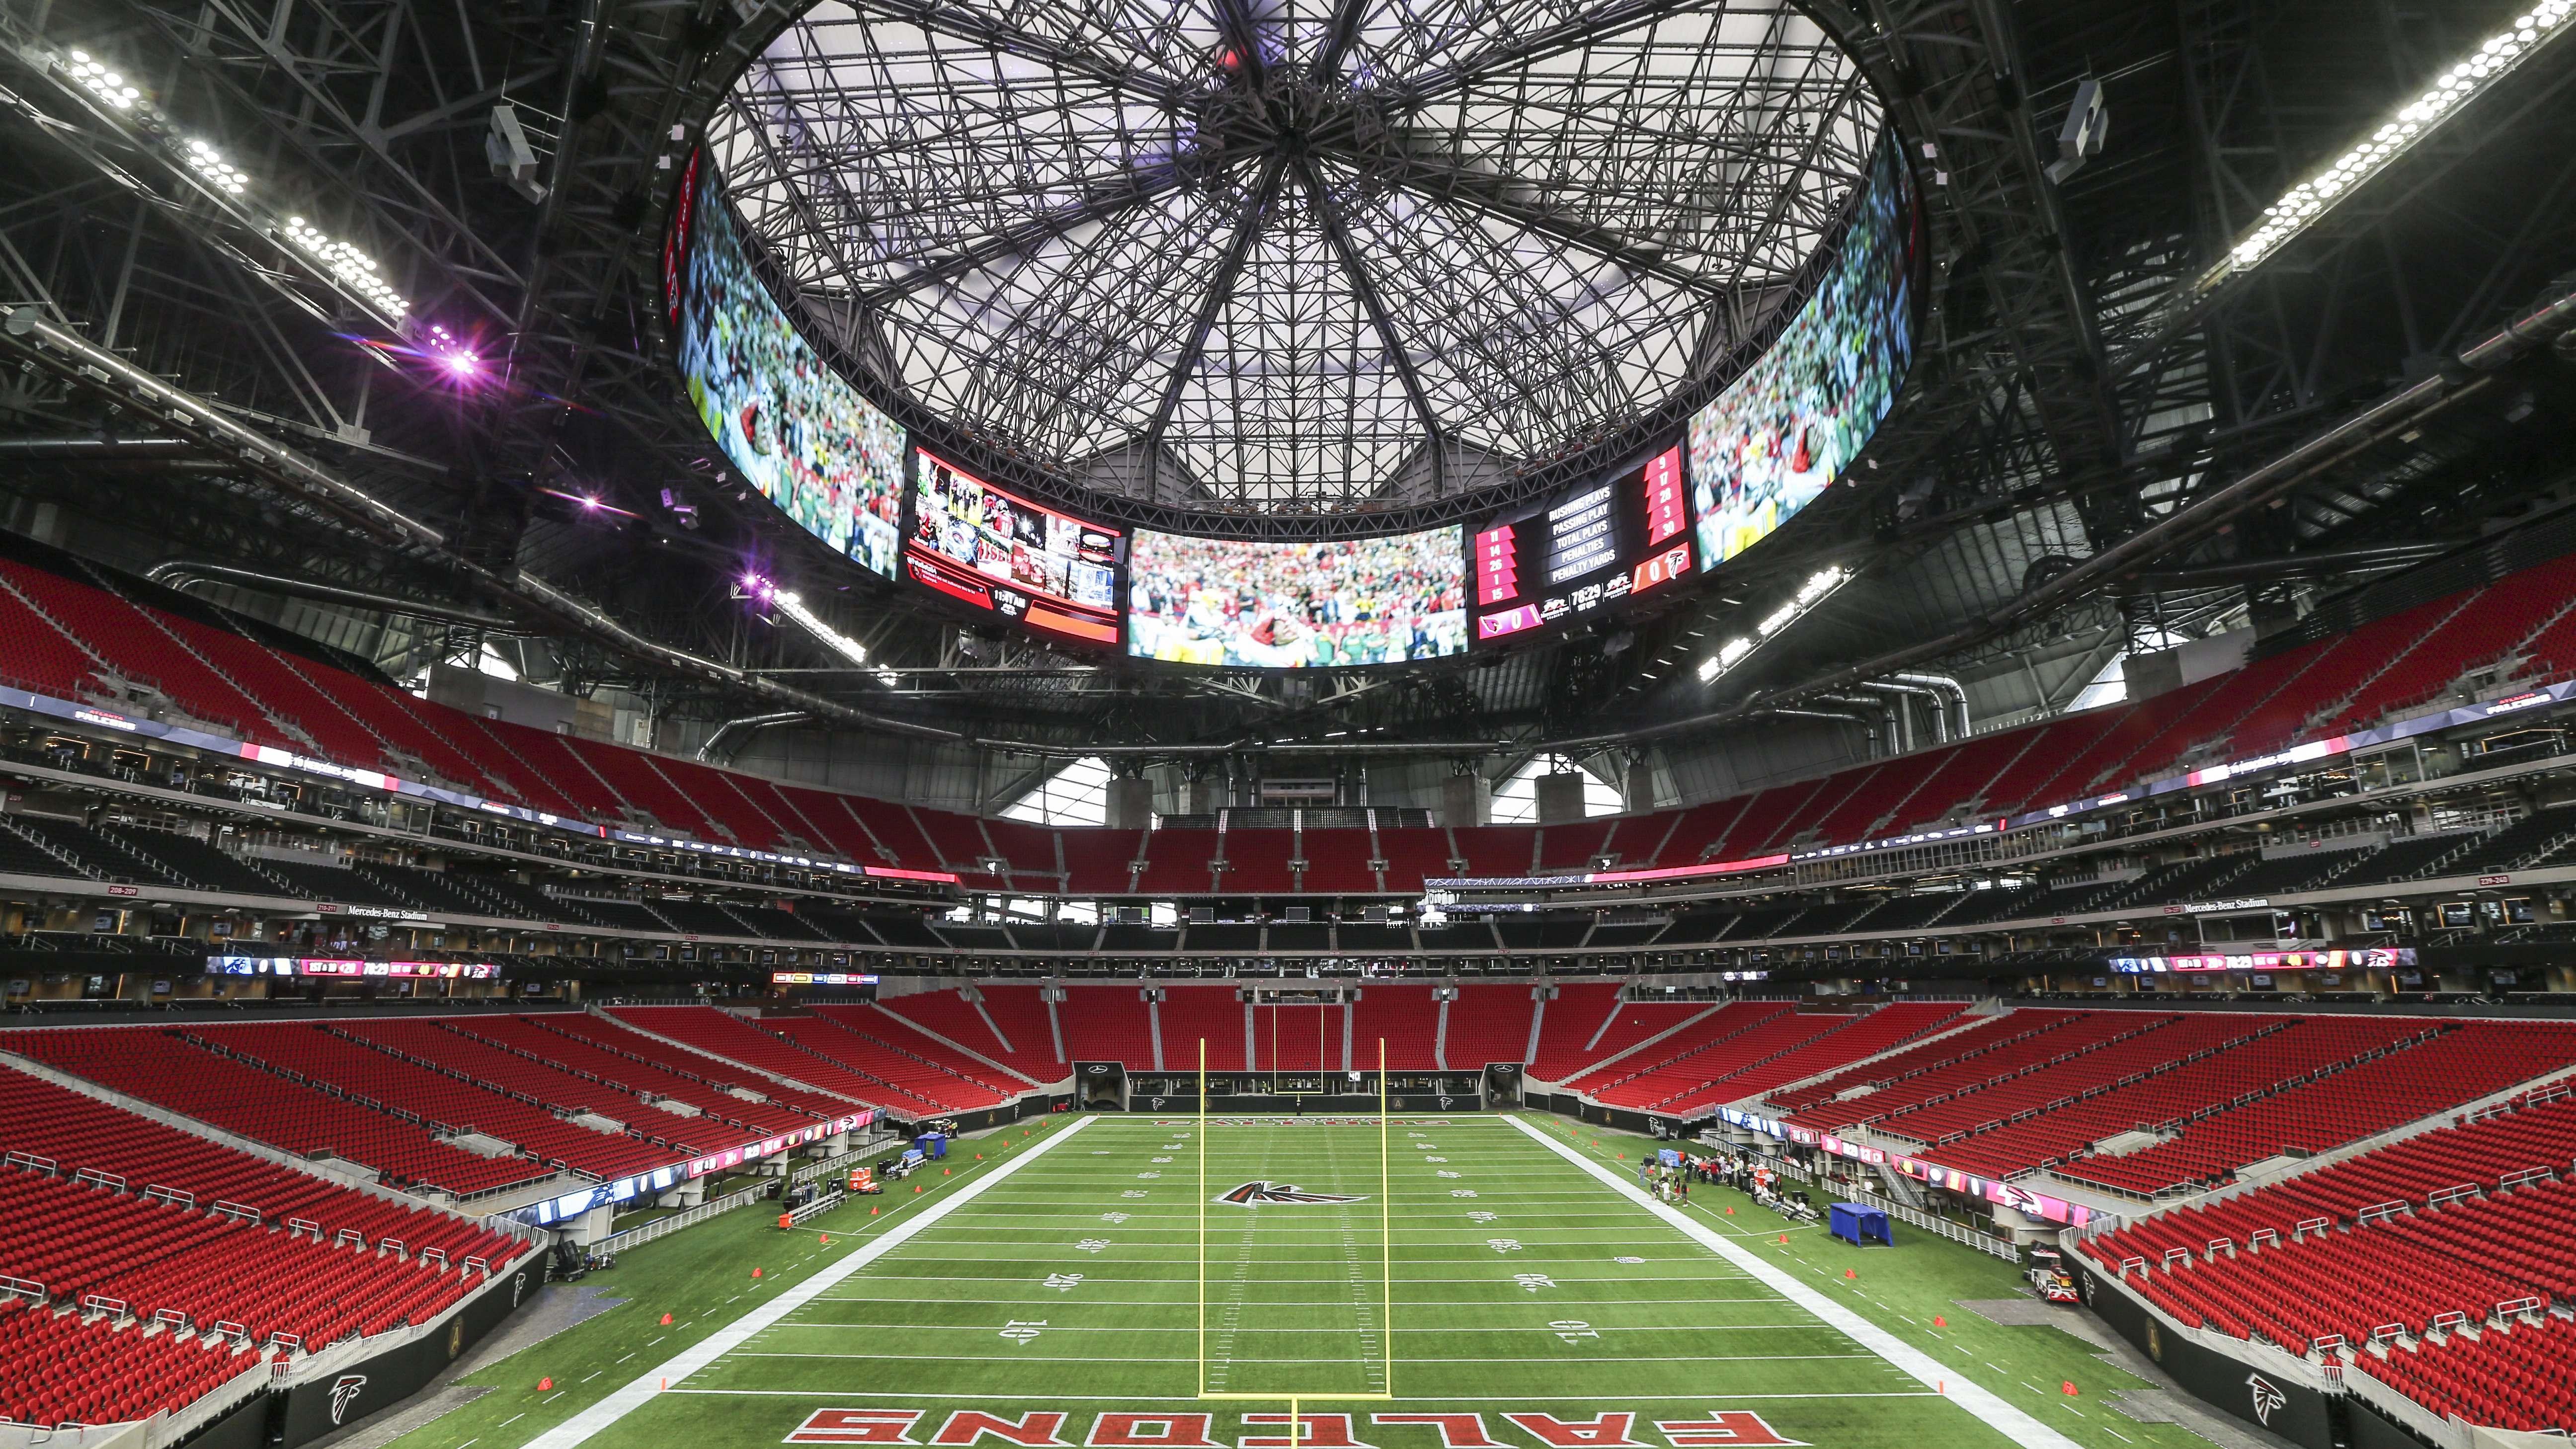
column 1261, row 1190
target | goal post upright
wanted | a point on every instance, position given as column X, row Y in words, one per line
column 1203, row 1207
column 1386, row 1256
column 1386, row 1225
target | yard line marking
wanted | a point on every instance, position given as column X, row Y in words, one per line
column 514, row 1418
column 1126, row 1328
column 2014, row 1424
column 986, row 1358
column 618, row 1403
column 906, row 1395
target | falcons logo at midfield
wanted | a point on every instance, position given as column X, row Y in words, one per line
column 1261, row 1190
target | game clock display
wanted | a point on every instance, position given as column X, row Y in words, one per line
column 994, row 550
column 1584, row 551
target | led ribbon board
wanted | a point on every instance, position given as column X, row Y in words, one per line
column 1583, row 552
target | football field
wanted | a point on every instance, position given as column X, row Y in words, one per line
column 1467, row 1282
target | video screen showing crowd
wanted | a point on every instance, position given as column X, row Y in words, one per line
column 790, row 424
column 1789, row 426
column 1296, row 605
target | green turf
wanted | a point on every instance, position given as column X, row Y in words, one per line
column 1514, row 1299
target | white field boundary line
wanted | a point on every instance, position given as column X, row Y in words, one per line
column 1164, row 1400
column 2012, row 1423
column 621, row 1402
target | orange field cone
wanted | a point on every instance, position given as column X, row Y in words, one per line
column 755, row 1272
column 545, row 1384
column 916, row 1187
column 827, row 1240
column 943, row 1172
column 666, row 1320
column 872, row 1212
column 1851, row 1273
column 979, row 1157
column 2067, row 1388
column 1730, row 1212
column 1939, row 1322
column 1784, row 1240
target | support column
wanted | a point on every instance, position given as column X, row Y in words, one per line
column 1463, row 796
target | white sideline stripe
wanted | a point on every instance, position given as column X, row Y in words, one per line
column 621, row 1402
column 2012, row 1423
column 906, row 1395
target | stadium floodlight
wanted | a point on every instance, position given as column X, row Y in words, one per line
column 356, row 274
column 101, row 82
column 344, row 260
column 1819, row 586
column 2302, row 205
column 209, row 163
column 793, row 606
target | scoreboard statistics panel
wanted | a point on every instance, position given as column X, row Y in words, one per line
column 1584, row 551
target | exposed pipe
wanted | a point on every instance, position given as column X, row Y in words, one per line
column 1958, row 696
column 1845, row 715
column 2302, row 565
column 707, row 747
column 179, row 573
column 1940, row 706
column 1891, row 716
column 82, row 449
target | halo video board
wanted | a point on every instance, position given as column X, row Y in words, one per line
column 1263, row 605
column 1584, row 551
column 991, row 549
column 1787, row 428
column 790, row 424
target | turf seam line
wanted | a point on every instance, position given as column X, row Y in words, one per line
column 621, row 1402
column 1984, row 1404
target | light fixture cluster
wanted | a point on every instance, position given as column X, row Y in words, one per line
column 101, row 82
column 355, row 269
column 793, row 606
column 1819, row 586
column 2308, row 200
column 351, row 268
column 455, row 354
column 209, row 163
